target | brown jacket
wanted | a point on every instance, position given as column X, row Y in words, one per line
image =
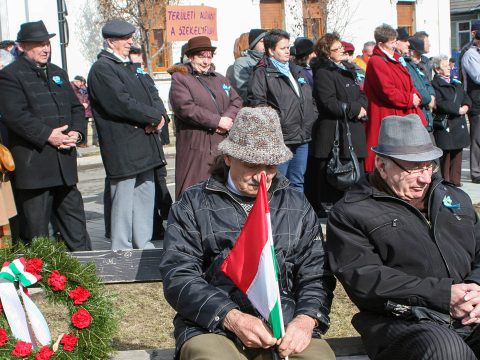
column 197, row 114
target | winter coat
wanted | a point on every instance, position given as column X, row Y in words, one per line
column 389, row 89
column 33, row 103
column 424, row 87
column 82, row 96
column 197, row 114
column 242, row 71
column 199, row 237
column 334, row 86
column 124, row 103
column 381, row 248
column 456, row 137
column 269, row 87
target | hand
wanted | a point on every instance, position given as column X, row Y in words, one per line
column 60, row 140
column 155, row 129
column 220, row 131
column 463, row 110
column 85, row 105
column 462, row 303
column 297, row 336
column 74, row 136
column 251, row 331
column 225, row 123
column 362, row 113
column 416, row 100
column 432, row 103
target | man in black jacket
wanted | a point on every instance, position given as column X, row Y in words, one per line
column 406, row 246
column 128, row 114
column 213, row 316
column 45, row 122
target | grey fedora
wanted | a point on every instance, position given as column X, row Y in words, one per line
column 256, row 138
column 405, row 138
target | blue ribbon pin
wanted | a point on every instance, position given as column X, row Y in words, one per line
column 301, row 81
column 57, row 80
column 447, row 202
column 140, row 71
column 226, row 88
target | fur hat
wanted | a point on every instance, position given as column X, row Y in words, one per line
column 405, row 138
column 256, row 137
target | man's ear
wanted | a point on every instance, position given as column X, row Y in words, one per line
column 228, row 160
column 380, row 165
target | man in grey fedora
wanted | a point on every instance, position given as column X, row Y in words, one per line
column 213, row 316
column 406, row 246
column 45, row 122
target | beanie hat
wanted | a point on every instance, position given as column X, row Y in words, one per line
column 417, row 44
column 402, row 33
column 254, row 36
column 302, row 47
column 348, row 46
column 256, row 138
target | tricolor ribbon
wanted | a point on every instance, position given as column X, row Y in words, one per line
column 27, row 324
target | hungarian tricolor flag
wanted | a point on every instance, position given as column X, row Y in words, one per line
column 252, row 266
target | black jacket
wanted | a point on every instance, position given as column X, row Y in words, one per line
column 450, row 97
column 124, row 102
column 332, row 87
column 269, row 87
column 32, row 104
column 199, row 237
column 381, row 248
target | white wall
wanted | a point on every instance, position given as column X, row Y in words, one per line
column 433, row 16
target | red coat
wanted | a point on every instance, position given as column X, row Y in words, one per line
column 390, row 90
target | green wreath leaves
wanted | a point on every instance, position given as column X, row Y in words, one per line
column 65, row 282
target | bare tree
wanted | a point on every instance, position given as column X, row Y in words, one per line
column 88, row 28
column 146, row 15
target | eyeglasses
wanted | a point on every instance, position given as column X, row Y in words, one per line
column 417, row 170
column 337, row 49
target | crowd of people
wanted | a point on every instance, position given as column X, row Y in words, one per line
column 404, row 240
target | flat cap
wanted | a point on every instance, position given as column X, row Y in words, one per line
column 117, row 29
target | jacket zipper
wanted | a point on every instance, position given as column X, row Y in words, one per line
column 393, row 223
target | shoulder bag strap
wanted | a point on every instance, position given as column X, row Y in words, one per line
column 347, row 127
column 212, row 95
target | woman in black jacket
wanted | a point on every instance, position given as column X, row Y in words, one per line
column 454, row 102
column 335, row 83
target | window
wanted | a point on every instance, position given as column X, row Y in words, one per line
column 463, row 34
column 406, row 16
column 271, row 14
column 159, row 50
column 313, row 23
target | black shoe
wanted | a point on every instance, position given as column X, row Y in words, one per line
column 476, row 180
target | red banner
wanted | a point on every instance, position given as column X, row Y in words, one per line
column 185, row 22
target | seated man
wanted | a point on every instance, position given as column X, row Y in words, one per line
column 406, row 246
column 214, row 317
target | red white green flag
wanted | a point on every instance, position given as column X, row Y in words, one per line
column 252, row 266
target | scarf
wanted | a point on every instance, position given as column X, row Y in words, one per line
column 284, row 68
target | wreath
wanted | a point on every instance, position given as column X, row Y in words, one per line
column 65, row 281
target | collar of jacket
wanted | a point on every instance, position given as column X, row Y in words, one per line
column 322, row 62
column 270, row 68
column 33, row 64
column 378, row 52
column 440, row 82
column 111, row 56
column 279, row 182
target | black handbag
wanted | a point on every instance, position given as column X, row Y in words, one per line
column 440, row 121
column 342, row 174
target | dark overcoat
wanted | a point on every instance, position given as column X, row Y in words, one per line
column 449, row 98
column 123, row 105
column 197, row 114
column 33, row 102
column 332, row 87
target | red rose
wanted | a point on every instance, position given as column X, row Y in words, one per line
column 79, row 295
column 3, row 337
column 81, row 319
column 34, row 266
column 22, row 349
column 69, row 341
column 45, row 353
column 57, row 281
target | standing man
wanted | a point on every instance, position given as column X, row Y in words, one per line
column 367, row 52
column 45, row 122
column 471, row 77
column 128, row 117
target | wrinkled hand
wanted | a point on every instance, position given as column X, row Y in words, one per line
column 463, row 110
column 464, row 299
column 220, row 131
column 60, row 140
column 155, row 129
column 297, row 336
column 362, row 113
column 225, row 123
column 416, row 100
column 251, row 331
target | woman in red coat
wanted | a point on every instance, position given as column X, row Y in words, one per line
column 389, row 88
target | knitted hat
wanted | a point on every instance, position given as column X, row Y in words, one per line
column 254, row 36
column 405, row 138
column 348, row 46
column 256, row 138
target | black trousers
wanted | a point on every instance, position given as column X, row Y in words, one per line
column 65, row 203
column 388, row 338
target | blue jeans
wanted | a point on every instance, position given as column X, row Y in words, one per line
column 294, row 169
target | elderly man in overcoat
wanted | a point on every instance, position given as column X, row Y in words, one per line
column 128, row 114
column 214, row 317
column 406, row 246
column 45, row 122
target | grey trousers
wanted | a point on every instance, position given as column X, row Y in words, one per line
column 474, row 145
column 133, row 200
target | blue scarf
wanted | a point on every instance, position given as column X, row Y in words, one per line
column 284, row 68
